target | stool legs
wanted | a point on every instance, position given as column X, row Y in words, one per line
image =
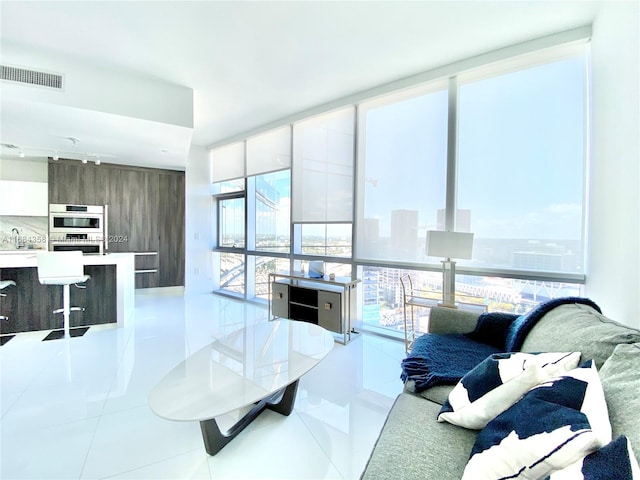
column 66, row 308
column 66, row 313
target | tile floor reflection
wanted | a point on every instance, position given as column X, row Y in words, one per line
column 77, row 408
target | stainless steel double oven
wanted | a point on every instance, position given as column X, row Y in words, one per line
column 77, row 227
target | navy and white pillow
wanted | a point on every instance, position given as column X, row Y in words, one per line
column 614, row 461
column 553, row 426
column 499, row 382
column 581, row 389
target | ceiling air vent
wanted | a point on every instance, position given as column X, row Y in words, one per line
column 32, row 77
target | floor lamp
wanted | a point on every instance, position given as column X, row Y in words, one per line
column 449, row 245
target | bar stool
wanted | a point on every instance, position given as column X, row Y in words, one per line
column 62, row 268
column 4, row 284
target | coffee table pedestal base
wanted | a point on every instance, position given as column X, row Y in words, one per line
column 215, row 440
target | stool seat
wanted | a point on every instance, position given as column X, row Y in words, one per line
column 62, row 268
column 63, row 280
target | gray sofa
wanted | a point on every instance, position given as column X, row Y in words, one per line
column 413, row 444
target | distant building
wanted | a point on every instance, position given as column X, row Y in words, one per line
column 555, row 262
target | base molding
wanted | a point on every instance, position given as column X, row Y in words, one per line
column 179, row 290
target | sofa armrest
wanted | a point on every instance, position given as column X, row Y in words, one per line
column 450, row 320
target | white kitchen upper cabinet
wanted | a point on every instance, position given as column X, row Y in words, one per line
column 25, row 199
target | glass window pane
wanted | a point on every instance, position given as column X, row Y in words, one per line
column 273, row 212
column 338, row 269
column 265, row 266
column 521, row 157
column 382, row 302
column 229, row 186
column 232, row 272
column 402, row 179
column 231, row 221
column 331, row 240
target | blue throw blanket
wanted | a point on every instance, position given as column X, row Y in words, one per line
column 492, row 328
column 443, row 359
column 524, row 323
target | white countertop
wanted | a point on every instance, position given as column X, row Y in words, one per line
column 27, row 258
column 125, row 274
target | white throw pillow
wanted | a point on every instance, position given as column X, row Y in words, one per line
column 614, row 461
column 499, row 382
column 553, row 426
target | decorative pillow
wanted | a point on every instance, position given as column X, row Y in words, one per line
column 548, row 430
column 580, row 389
column 614, row 461
column 499, row 382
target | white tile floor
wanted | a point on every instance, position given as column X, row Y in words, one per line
column 77, row 408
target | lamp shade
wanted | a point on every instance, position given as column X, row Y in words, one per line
column 449, row 244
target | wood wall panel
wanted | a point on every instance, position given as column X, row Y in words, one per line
column 146, row 210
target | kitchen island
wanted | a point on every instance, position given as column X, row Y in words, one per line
column 108, row 298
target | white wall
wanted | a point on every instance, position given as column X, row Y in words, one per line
column 613, row 258
column 198, row 228
column 27, row 170
column 92, row 87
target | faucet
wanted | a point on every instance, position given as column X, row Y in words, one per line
column 17, row 240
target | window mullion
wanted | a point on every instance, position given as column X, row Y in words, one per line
column 452, row 139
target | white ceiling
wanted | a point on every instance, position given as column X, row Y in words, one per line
column 252, row 63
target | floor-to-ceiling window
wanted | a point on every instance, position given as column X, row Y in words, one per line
column 498, row 150
column 521, row 165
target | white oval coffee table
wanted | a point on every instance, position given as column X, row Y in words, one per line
column 259, row 365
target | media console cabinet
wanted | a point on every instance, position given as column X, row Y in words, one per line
column 329, row 303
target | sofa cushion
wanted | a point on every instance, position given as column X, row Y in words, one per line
column 499, row 382
column 615, row 461
column 578, row 328
column 437, row 394
column 413, row 445
column 620, row 376
column 553, row 426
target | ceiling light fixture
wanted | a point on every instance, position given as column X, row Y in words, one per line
column 97, row 161
column 21, row 154
column 56, row 156
column 84, row 160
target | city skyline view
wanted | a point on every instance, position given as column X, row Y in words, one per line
column 516, row 181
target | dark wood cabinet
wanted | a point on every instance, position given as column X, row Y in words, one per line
column 146, row 212
column 171, row 229
column 30, row 305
